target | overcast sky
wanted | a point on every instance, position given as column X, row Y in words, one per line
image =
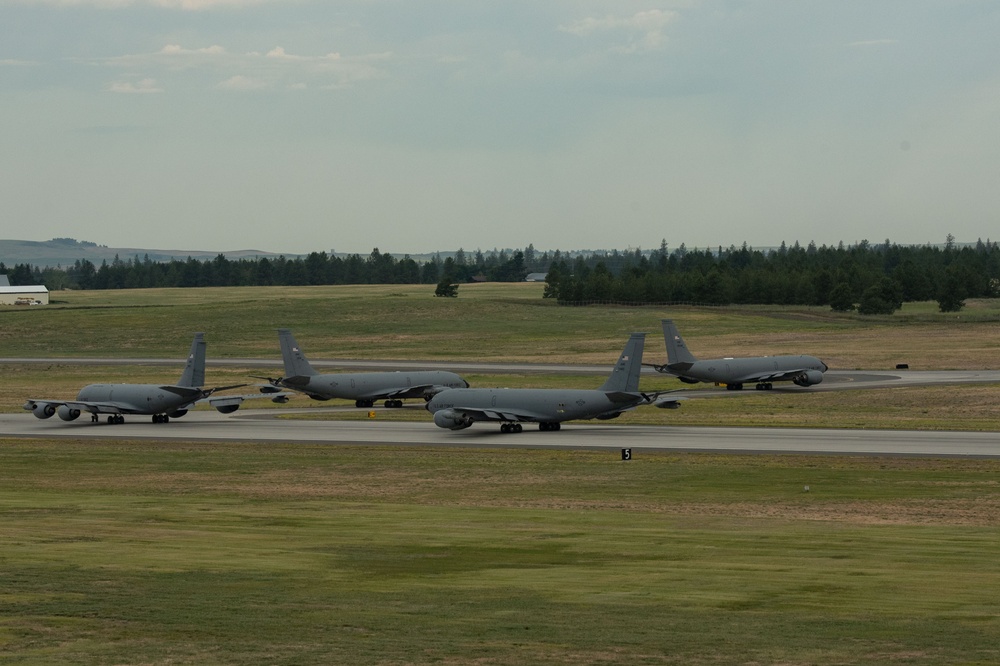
column 414, row 125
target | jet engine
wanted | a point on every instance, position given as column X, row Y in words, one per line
column 227, row 405
column 67, row 413
column 808, row 378
column 43, row 410
column 452, row 420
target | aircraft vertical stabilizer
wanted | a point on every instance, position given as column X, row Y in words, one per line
column 194, row 369
column 677, row 351
column 625, row 376
column 295, row 361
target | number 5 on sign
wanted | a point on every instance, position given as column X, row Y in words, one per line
column 626, row 454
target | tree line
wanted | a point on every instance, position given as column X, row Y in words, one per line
column 874, row 278
column 317, row 268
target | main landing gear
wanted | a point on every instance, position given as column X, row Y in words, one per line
column 161, row 418
column 764, row 386
column 116, row 419
column 543, row 426
column 371, row 403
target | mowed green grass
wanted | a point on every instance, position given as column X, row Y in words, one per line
column 487, row 322
column 166, row 553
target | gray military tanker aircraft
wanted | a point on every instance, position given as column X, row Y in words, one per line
column 456, row 409
column 364, row 388
column 735, row 372
column 162, row 402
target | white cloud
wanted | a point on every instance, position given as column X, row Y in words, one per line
column 139, row 87
column 274, row 68
column 644, row 29
column 184, row 5
column 176, row 49
column 242, row 83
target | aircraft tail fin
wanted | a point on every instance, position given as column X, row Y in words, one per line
column 677, row 351
column 625, row 376
column 194, row 370
column 295, row 361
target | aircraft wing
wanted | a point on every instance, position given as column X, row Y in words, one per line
column 404, row 392
column 780, row 376
column 478, row 414
column 83, row 406
column 228, row 404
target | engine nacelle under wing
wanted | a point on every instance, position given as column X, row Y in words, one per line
column 808, row 378
column 67, row 413
column 452, row 420
column 43, row 410
column 227, row 405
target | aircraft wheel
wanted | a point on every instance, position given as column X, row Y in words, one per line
column 111, row 419
column 543, row 427
column 156, row 418
column 516, row 427
column 505, row 427
column 556, row 426
column 166, row 419
column 768, row 386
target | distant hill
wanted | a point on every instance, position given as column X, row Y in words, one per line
column 65, row 251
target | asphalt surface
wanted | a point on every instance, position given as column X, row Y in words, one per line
column 262, row 427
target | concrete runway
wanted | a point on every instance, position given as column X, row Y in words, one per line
column 261, row 426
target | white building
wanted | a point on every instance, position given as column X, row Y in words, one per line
column 28, row 295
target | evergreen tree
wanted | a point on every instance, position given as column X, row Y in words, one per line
column 842, row 298
column 883, row 297
column 446, row 288
column 951, row 294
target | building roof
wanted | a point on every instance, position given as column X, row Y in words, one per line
column 27, row 289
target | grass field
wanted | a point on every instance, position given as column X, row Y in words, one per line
column 160, row 553
column 174, row 553
column 490, row 322
column 509, row 322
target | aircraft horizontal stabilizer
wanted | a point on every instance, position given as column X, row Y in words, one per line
column 623, row 397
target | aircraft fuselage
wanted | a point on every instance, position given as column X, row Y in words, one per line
column 540, row 405
column 374, row 385
column 750, row 369
column 139, row 398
